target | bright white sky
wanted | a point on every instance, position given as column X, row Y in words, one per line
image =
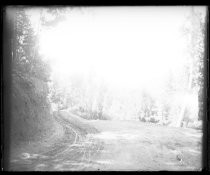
column 127, row 46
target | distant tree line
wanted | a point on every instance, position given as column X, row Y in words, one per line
column 176, row 105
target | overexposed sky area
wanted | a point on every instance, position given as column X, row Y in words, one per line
column 127, row 46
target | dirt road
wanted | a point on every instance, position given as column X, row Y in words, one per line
column 118, row 146
column 129, row 145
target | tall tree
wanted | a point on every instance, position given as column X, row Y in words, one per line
column 30, row 75
column 194, row 33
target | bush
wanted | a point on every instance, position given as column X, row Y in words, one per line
column 195, row 125
column 152, row 119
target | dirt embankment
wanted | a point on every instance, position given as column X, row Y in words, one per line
column 70, row 141
column 80, row 125
column 66, row 128
column 31, row 119
column 30, row 112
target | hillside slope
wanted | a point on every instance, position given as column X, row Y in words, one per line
column 31, row 119
column 69, row 141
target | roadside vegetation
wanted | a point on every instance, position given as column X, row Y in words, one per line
column 44, row 106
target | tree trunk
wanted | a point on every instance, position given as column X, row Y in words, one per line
column 189, row 88
column 181, row 115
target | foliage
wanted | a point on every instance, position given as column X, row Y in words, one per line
column 90, row 97
column 30, row 74
column 194, row 32
column 148, row 107
column 26, row 60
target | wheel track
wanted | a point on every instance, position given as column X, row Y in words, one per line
column 87, row 145
column 75, row 146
